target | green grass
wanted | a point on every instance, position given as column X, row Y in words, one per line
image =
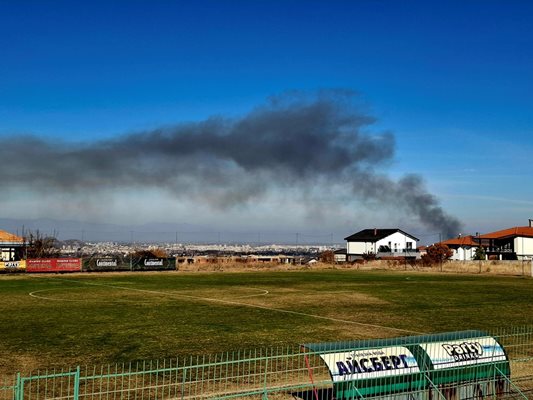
column 97, row 319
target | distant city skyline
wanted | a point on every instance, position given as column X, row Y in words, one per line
column 440, row 92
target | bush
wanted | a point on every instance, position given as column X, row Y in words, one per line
column 480, row 254
column 437, row 253
column 327, row 257
column 151, row 253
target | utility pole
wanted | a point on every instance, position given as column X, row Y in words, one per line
column 440, row 258
column 479, row 252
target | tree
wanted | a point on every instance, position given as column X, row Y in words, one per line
column 40, row 246
column 327, row 257
column 150, row 253
column 437, row 253
column 480, row 254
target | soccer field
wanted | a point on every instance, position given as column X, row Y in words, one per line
column 93, row 319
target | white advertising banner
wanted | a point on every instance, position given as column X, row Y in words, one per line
column 456, row 353
column 370, row 363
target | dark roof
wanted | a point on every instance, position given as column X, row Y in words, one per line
column 373, row 235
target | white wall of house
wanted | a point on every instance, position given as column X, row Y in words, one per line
column 340, row 258
column 397, row 242
column 360, row 247
column 523, row 247
column 463, row 253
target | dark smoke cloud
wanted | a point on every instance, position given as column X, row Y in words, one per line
column 294, row 140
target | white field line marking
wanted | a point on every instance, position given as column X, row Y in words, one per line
column 238, row 303
column 35, row 295
column 264, row 292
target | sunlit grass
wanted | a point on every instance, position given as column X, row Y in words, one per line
column 95, row 319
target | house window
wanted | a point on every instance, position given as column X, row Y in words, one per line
column 409, row 245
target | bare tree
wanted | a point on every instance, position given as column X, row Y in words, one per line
column 41, row 246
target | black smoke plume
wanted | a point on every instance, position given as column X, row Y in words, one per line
column 294, row 140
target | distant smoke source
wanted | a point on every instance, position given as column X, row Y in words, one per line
column 293, row 141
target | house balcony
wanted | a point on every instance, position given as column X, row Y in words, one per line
column 399, row 253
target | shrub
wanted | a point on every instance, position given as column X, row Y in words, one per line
column 437, row 253
column 369, row 256
column 327, row 257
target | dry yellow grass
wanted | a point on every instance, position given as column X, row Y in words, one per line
column 508, row 268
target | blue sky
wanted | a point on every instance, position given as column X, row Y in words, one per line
column 452, row 81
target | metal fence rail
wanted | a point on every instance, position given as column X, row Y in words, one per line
column 280, row 373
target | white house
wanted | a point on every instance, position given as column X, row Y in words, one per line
column 464, row 248
column 381, row 243
column 510, row 244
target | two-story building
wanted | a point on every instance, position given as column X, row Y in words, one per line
column 382, row 243
column 509, row 244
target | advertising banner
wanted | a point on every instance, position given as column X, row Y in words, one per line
column 125, row 263
column 456, row 353
column 107, row 263
column 7, row 266
column 54, row 265
column 370, row 363
column 154, row 264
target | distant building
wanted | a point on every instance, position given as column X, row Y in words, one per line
column 11, row 247
column 464, row 248
column 422, row 250
column 340, row 256
column 509, row 244
column 382, row 243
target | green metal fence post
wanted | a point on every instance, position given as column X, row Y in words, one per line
column 265, row 381
column 77, row 383
column 18, row 388
column 183, row 383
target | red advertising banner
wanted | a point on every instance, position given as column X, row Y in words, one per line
column 53, row 265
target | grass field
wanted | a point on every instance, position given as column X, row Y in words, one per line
column 66, row 320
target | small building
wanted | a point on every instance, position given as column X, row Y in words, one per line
column 463, row 247
column 340, row 256
column 381, row 243
column 422, row 250
column 11, row 247
column 509, row 244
